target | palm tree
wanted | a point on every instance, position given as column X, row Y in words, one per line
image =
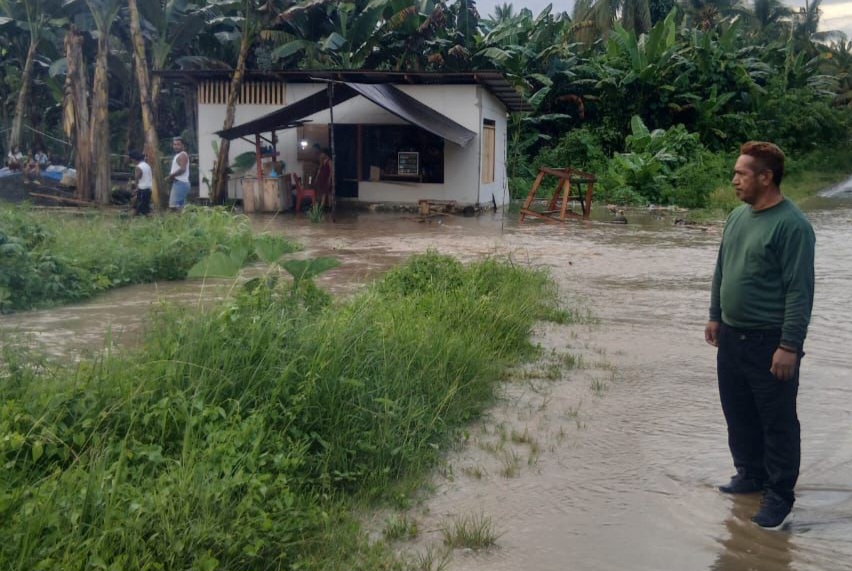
column 806, row 26
column 706, row 14
column 594, row 18
column 769, row 13
column 636, row 15
column 503, row 12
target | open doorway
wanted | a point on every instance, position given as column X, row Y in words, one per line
column 346, row 143
column 313, row 138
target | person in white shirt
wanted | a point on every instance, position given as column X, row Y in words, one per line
column 179, row 175
column 41, row 158
column 144, row 181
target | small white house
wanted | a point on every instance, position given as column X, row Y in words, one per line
column 398, row 137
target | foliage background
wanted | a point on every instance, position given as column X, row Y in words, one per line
column 725, row 72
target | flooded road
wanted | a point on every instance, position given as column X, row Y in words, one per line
column 611, row 465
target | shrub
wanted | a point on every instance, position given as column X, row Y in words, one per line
column 46, row 259
column 581, row 149
column 662, row 166
column 800, row 120
column 692, row 183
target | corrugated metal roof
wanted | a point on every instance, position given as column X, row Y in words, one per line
column 288, row 116
column 494, row 81
column 384, row 95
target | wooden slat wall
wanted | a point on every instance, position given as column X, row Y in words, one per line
column 488, row 151
column 252, row 93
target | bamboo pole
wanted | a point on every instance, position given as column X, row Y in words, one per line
column 330, row 91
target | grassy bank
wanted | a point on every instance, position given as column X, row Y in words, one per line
column 238, row 438
column 48, row 257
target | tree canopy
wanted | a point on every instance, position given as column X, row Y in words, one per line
column 727, row 71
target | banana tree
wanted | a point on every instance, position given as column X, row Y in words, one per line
column 172, row 25
column 242, row 23
column 100, row 15
column 104, row 13
column 348, row 37
column 38, row 19
column 413, row 35
column 143, row 80
column 75, row 110
column 635, row 75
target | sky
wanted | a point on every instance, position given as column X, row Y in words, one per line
column 836, row 14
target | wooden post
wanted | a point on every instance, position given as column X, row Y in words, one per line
column 257, row 158
column 566, row 184
column 360, row 153
column 531, row 195
column 330, row 91
column 587, row 208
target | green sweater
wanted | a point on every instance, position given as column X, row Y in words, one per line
column 764, row 275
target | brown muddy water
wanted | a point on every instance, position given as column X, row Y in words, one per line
column 610, row 464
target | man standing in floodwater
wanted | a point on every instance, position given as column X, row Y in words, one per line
column 760, row 307
column 179, row 175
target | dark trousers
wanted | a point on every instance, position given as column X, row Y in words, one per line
column 763, row 428
column 143, row 201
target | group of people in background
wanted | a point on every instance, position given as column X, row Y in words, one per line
column 35, row 161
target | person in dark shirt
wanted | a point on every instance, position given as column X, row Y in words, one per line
column 760, row 307
column 323, row 182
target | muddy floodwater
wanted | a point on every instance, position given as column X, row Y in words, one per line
column 604, row 456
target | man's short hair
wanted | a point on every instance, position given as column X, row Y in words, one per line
column 137, row 156
column 768, row 156
column 177, row 139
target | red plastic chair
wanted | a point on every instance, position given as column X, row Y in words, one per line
column 302, row 192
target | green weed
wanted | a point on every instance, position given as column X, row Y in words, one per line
column 49, row 258
column 471, row 532
column 511, row 463
column 316, row 214
column 433, row 559
column 399, row 527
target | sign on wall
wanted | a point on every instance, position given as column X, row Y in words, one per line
column 408, row 163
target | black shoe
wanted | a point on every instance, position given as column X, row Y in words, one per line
column 773, row 510
column 739, row 484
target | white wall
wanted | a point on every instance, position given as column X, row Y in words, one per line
column 465, row 104
column 494, row 110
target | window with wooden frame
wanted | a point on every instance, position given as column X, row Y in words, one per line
column 489, row 148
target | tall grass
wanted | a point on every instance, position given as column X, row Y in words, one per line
column 49, row 258
column 236, row 437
